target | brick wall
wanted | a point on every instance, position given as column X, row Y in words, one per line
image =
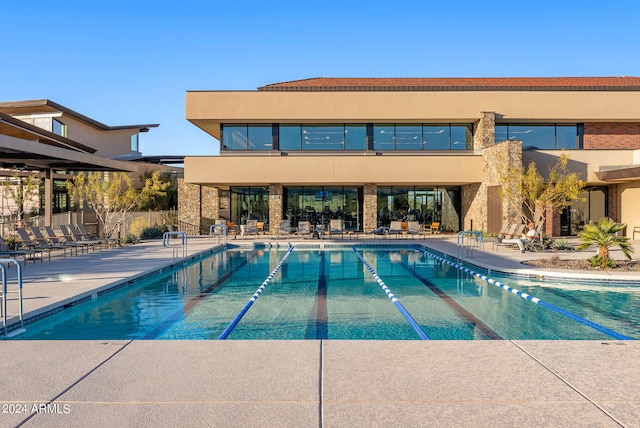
column 612, row 135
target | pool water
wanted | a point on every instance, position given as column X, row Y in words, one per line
column 330, row 294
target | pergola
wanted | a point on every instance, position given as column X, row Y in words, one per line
column 25, row 147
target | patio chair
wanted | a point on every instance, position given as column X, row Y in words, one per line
column 81, row 237
column 5, row 252
column 395, row 228
column 432, row 228
column 284, row 228
column 29, row 243
column 251, row 228
column 91, row 237
column 43, row 240
column 336, row 228
column 304, row 229
column 68, row 237
column 55, row 239
column 537, row 242
column 413, row 227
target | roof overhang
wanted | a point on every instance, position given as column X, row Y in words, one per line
column 48, row 106
column 630, row 173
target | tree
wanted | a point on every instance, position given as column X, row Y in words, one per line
column 603, row 235
column 113, row 198
column 527, row 187
column 20, row 195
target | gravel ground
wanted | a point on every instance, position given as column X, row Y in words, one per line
column 557, row 262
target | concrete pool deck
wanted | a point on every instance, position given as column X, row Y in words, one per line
column 303, row 383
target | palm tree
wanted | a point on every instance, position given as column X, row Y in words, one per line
column 603, row 235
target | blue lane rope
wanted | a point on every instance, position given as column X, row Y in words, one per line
column 535, row 300
column 253, row 298
column 393, row 298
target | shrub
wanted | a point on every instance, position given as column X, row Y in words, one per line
column 130, row 239
column 561, row 244
column 153, row 232
column 138, row 226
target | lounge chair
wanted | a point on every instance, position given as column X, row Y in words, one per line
column 395, row 228
column 55, row 239
column 512, row 236
column 70, row 238
column 413, row 227
column 251, row 228
column 81, row 237
column 284, row 228
column 5, row 252
column 304, row 229
column 28, row 243
column 37, row 234
column 91, row 237
column 336, row 228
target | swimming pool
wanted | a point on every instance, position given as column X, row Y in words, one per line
column 339, row 293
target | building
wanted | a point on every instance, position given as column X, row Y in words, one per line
column 45, row 138
column 372, row 150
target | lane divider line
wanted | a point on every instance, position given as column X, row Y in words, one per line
column 253, row 298
column 530, row 298
column 393, row 298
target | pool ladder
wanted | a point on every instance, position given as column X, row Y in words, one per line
column 214, row 232
column 176, row 248
column 5, row 291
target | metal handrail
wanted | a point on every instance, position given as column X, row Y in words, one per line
column 3, row 268
column 183, row 242
column 223, row 226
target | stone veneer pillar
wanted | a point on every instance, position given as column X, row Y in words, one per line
column 370, row 207
column 485, row 132
column 198, row 206
column 497, row 157
column 275, row 206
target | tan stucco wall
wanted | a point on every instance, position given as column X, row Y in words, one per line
column 207, row 109
column 629, row 205
column 334, row 170
column 107, row 143
column 585, row 162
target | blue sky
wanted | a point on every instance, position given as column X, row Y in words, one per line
column 129, row 62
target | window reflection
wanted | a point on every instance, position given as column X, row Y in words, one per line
column 323, row 137
column 290, row 137
column 541, row 137
column 408, row 137
column 319, row 205
column 383, row 137
column 436, row 137
column 422, row 204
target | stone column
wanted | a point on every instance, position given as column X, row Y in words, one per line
column 500, row 157
column 485, row 133
column 275, row 206
column 209, row 208
column 370, row 207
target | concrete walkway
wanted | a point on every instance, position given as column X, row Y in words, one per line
column 301, row 383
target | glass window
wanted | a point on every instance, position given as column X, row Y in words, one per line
column 501, row 133
column 566, row 137
column 436, row 137
column 289, row 137
column 461, row 137
column 539, row 137
column 383, row 137
column 408, row 137
column 234, row 137
column 323, row 137
column 61, row 129
column 355, row 137
column 249, row 203
column 259, row 137
column 135, row 147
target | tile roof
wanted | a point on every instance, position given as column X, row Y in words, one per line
column 624, row 83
